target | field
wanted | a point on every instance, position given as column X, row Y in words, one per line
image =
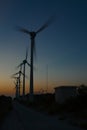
column 73, row 110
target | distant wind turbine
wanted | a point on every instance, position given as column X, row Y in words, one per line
column 24, row 62
column 32, row 35
column 16, row 86
column 19, row 73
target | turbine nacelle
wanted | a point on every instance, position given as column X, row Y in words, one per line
column 24, row 62
column 32, row 34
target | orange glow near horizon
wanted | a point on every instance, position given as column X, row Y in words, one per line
column 7, row 87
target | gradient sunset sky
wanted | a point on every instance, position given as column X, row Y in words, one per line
column 61, row 47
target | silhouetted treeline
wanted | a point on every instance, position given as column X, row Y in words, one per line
column 5, row 106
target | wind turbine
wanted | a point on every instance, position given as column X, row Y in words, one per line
column 19, row 73
column 24, row 62
column 32, row 35
column 16, row 86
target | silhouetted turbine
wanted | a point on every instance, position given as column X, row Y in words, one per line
column 32, row 35
column 16, row 86
column 24, row 62
column 19, row 73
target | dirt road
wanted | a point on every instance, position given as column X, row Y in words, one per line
column 22, row 118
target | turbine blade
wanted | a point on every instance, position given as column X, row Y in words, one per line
column 14, row 77
column 23, row 30
column 28, row 64
column 21, row 73
column 34, row 50
column 50, row 21
column 27, row 52
column 19, row 65
column 16, row 74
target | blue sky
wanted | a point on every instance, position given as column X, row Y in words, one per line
column 62, row 46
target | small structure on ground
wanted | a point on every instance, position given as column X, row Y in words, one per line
column 63, row 93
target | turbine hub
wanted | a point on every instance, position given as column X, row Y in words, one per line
column 24, row 61
column 32, row 34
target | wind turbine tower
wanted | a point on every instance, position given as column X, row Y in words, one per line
column 32, row 35
column 19, row 77
column 24, row 62
column 16, row 86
